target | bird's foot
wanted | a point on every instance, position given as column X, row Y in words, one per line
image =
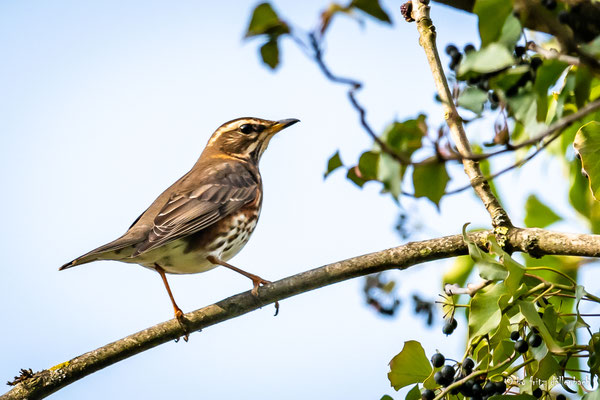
column 181, row 319
column 257, row 281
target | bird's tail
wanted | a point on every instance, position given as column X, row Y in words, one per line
column 110, row 251
column 77, row 261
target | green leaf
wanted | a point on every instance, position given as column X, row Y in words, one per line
column 270, row 53
column 472, row 98
column 547, row 367
column 486, row 310
column 492, row 58
column 587, row 144
column 405, row 137
column 492, row 14
column 367, row 165
column 507, row 79
column 353, row 176
column 523, row 396
column 583, row 85
column 265, row 21
column 409, row 366
column 578, row 193
column 593, row 47
column 430, row 180
column 413, row 394
column 373, row 8
column 593, row 361
column 334, row 163
column 389, row 172
column 459, row 271
column 528, row 310
column 595, row 395
column 502, row 333
column 511, row 32
column 524, row 108
column 514, row 269
column 545, row 77
column 386, row 397
column 489, row 268
column 537, row 214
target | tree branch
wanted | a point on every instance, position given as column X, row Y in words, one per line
column 535, row 241
column 478, row 182
column 552, row 54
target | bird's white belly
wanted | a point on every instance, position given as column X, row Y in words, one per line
column 175, row 258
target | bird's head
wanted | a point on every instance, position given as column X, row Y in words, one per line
column 246, row 138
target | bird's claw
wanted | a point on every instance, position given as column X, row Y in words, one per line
column 181, row 319
column 257, row 282
column 260, row 281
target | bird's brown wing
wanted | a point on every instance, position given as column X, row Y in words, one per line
column 223, row 190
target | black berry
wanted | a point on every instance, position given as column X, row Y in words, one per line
column 564, row 17
column 537, row 393
column 535, row 340
column 536, row 62
column 500, row 387
column 427, row 394
column 468, row 364
column 449, row 326
column 489, row 388
column 521, row 346
column 438, row 378
column 448, row 372
column 519, row 51
column 549, row 4
column 514, row 335
column 493, row 97
column 437, row 360
column 469, row 48
column 467, row 388
column 476, row 390
column 451, row 49
column 561, row 397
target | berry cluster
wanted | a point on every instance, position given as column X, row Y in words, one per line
column 522, row 345
column 456, row 55
column 583, row 20
column 476, row 388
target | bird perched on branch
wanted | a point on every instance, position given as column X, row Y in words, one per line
column 207, row 216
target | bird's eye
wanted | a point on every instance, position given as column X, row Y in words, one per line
column 246, row 128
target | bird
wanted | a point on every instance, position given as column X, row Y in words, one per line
column 207, row 216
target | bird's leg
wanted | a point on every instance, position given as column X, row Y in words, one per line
column 178, row 312
column 256, row 280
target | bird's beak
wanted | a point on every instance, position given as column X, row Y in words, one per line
column 282, row 124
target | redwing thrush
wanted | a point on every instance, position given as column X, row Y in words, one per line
column 207, row 216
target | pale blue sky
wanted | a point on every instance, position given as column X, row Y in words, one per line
column 104, row 104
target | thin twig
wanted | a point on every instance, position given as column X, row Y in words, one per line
column 511, row 167
column 552, row 54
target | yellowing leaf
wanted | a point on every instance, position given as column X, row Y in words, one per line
column 587, row 145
